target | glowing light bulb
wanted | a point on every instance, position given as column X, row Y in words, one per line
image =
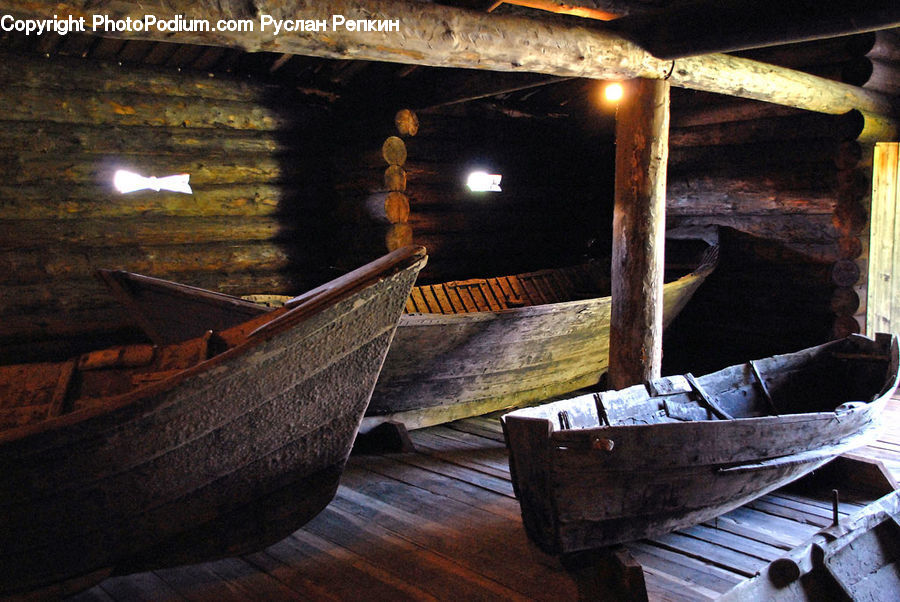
column 613, row 92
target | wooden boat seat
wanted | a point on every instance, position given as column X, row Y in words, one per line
column 42, row 391
column 494, row 294
column 109, row 372
column 508, row 292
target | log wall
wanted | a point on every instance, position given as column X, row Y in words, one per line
column 253, row 223
column 555, row 204
column 373, row 203
column 795, row 187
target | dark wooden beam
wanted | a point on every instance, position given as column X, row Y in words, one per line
column 560, row 8
column 441, row 36
column 639, row 218
column 728, row 25
column 454, row 87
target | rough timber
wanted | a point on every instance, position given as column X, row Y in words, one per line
column 462, row 349
column 602, row 469
column 139, row 457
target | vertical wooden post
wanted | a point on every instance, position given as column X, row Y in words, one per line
column 639, row 221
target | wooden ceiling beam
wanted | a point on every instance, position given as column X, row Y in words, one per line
column 708, row 26
column 442, row 36
column 559, row 8
column 461, row 87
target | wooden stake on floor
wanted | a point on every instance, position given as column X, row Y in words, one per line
column 639, row 215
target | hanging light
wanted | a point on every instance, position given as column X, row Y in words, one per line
column 613, row 92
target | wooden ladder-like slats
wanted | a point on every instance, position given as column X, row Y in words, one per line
column 504, row 292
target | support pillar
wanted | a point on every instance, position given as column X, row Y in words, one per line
column 639, row 224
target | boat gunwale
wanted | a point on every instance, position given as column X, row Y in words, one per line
column 702, row 271
column 579, row 440
column 279, row 320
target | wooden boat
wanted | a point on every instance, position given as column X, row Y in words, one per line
column 600, row 469
column 140, row 457
column 856, row 559
column 463, row 348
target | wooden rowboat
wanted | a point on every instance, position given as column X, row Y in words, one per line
column 601, row 469
column 856, row 559
column 462, row 349
column 140, row 457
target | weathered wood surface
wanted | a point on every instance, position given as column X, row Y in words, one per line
column 70, row 123
column 504, row 342
column 664, row 461
column 699, row 28
column 639, row 229
column 160, row 463
column 509, row 292
column 449, row 37
column 443, row 522
column 855, row 559
column 884, row 250
column 446, row 367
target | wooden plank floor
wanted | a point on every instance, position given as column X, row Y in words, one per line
column 443, row 523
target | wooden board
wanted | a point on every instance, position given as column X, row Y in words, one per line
column 435, row 525
column 884, row 254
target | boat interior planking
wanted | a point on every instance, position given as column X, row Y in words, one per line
column 510, row 137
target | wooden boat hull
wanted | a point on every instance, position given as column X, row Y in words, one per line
column 596, row 486
column 443, row 367
column 224, row 458
column 447, row 367
column 858, row 559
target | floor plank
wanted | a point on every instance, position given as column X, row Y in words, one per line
column 443, row 522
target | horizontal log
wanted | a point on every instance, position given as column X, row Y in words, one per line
column 388, row 207
column 790, row 228
column 848, row 155
column 114, row 232
column 885, row 77
column 844, row 301
column 79, row 201
column 36, row 168
column 726, row 112
column 798, row 153
column 407, row 122
column 878, row 129
column 817, row 52
column 61, row 262
column 125, row 109
column 765, row 129
column 765, row 179
column 688, row 201
column 67, row 138
column 65, row 73
column 393, row 151
column 398, row 235
column 886, row 46
column 849, row 247
column 844, row 326
column 849, row 218
column 443, row 36
column 698, row 28
column 395, row 178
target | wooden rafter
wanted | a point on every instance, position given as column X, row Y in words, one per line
column 559, row 8
column 727, row 25
column 442, row 36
